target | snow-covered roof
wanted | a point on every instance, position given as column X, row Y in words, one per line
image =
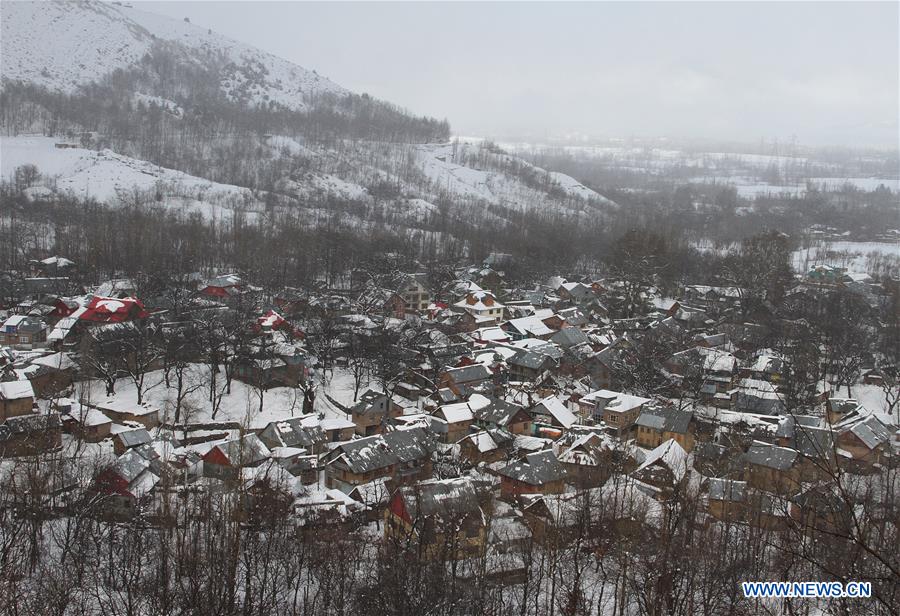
column 16, row 390
column 552, row 406
column 615, row 401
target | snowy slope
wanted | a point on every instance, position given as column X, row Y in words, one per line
column 110, row 177
column 62, row 45
column 496, row 187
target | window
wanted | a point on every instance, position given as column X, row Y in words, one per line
column 23, row 339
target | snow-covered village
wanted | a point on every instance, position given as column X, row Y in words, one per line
column 274, row 345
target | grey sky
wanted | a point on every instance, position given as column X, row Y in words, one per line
column 826, row 72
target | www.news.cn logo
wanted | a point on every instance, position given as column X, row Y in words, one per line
column 806, row 590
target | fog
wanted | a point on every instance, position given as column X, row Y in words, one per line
column 822, row 72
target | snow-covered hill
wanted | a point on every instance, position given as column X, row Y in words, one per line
column 112, row 178
column 63, row 45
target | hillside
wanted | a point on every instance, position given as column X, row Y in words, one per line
column 125, row 107
column 89, row 40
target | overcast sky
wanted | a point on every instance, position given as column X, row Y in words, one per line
column 826, row 72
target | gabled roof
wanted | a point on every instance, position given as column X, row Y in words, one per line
column 454, row 413
column 113, row 310
column 244, row 451
column 441, row 498
column 530, row 360
column 665, row 419
column 871, row 432
column 569, row 337
column 497, row 412
column 584, row 451
column 375, row 452
column 297, row 431
column 536, row 469
column 670, row 455
column 771, row 456
column 552, row 406
column 481, row 440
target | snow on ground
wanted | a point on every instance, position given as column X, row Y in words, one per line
column 575, row 188
column 241, row 405
column 148, row 100
column 870, row 396
column 110, row 177
column 437, row 162
column 280, row 142
column 854, row 256
column 339, row 385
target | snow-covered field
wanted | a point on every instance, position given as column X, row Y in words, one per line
column 241, row 405
column 856, row 257
column 736, row 169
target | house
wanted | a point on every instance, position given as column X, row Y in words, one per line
column 527, row 366
column 298, row 463
column 586, row 461
column 223, row 287
column 16, row 398
column 121, row 411
column 371, row 412
column 116, row 288
column 551, row 412
column 532, row 326
column 765, row 366
column 439, row 519
column 51, row 374
column 462, row 381
column 503, row 415
column 757, row 396
column 24, row 332
column 576, row 293
column 125, row 486
column 375, row 495
column 537, row 473
column 414, row 291
column 569, row 337
column 481, row 304
column 402, row 455
column 297, row 432
column 656, row 425
column 837, row 409
column 772, row 469
column 102, row 309
column 618, row 410
column 865, row 438
column 337, row 429
column 457, row 419
column 28, row 435
column 726, row 499
column 664, row 469
column 127, row 439
column 485, row 446
column 822, row 508
column 224, row 460
column 90, row 425
column 268, row 492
